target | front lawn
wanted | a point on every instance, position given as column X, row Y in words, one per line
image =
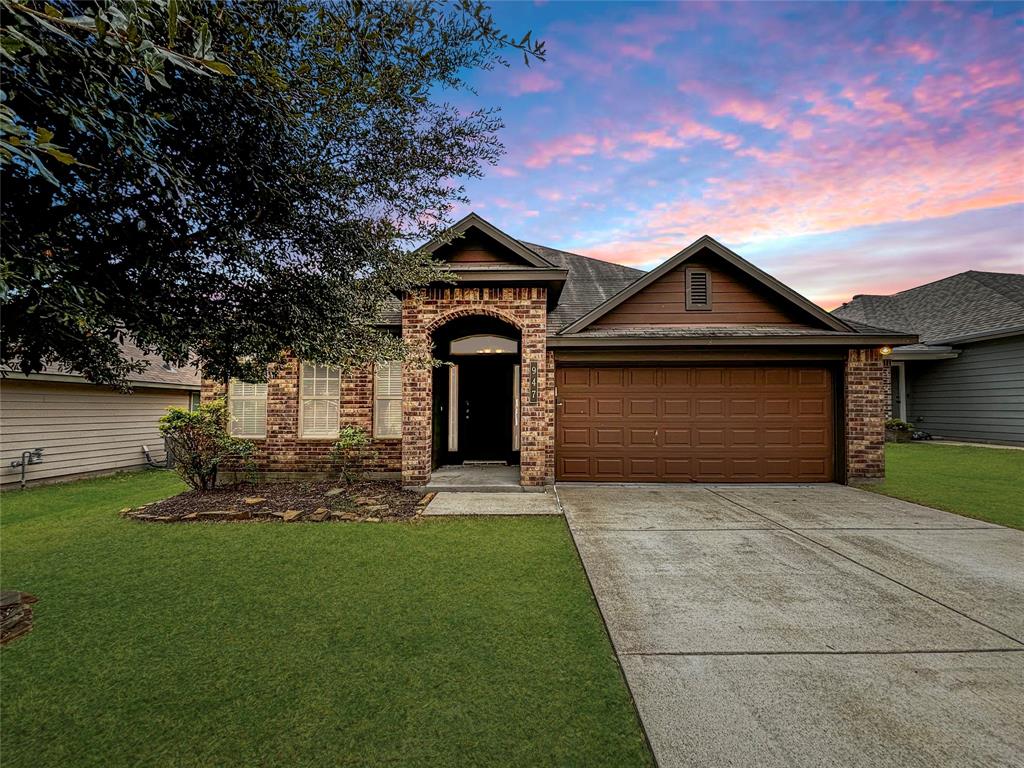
column 984, row 483
column 444, row 642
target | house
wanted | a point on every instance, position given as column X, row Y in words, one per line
column 965, row 379
column 85, row 428
column 704, row 369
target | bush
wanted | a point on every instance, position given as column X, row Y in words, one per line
column 350, row 450
column 898, row 425
column 200, row 441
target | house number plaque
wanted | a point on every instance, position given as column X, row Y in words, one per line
column 534, row 387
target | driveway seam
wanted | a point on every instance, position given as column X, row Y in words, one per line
column 797, row 532
column 934, row 651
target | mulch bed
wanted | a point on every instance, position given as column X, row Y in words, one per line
column 312, row 502
column 15, row 614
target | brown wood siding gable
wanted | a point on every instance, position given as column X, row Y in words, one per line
column 475, row 248
column 735, row 300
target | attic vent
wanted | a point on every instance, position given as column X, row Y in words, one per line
column 698, row 289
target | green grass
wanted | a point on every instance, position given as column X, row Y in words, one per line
column 984, row 483
column 448, row 642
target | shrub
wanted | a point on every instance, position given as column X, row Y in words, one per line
column 898, row 425
column 350, row 450
column 200, row 441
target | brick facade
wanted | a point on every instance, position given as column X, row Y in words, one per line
column 284, row 451
column 866, row 384
column 525, row 308
column 866, row 380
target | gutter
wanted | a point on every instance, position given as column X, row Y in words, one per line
column 844, row 340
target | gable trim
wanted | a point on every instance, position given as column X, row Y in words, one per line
column 706, row 241
column 472, row 220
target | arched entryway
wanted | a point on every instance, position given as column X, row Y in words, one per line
column 476, row 412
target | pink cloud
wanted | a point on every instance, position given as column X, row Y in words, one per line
column 917, row 50
column 561, row 149
column 533, row 81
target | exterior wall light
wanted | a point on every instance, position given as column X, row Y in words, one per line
column 886, row 351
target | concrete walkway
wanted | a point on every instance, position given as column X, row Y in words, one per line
column 809, row 625
column 489, row 503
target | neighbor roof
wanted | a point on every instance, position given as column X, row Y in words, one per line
column 969, row 306
column 155, row 374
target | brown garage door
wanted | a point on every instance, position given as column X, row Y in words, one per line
column 702, row 424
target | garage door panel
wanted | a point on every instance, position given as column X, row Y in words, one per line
column 576, row 406
column 710, row 407
column 676, row 407
column 705, row 424
column 642, row 407
column 644, row 437
column 573, row 437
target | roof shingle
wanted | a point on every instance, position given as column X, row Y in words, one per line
column 967, row 304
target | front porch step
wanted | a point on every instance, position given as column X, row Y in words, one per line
column 447, row 488
column 476, row 478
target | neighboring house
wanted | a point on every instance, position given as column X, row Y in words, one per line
column 965, row 380
column 705, row 369
column 86, row 428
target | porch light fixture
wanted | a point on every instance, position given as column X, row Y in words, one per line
column 885, row 351
column 484, row 345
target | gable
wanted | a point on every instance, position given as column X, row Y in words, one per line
column 751, row 297
column 478, row 243
column 476, row 249
column 734, row 299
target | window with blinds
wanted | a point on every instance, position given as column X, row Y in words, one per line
column 319, row 398
column 387, row 400
column 698, row 289
column 247, row 403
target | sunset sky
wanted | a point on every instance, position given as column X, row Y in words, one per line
column 844, row 149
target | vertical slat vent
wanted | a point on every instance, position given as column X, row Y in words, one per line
column 698, row 289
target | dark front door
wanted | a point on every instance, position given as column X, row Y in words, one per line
column 485, row 408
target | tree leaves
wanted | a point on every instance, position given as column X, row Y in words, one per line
column 152, row 196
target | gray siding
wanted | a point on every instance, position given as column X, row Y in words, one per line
column 977, row 396
column 82, row 428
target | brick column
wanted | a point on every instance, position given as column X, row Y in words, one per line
column 524, row 308
column 867, row 393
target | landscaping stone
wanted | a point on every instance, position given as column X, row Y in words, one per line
column 291, row 515
column 334, row 491
column 224, row 514
column 372, row 520
column 15, row 614
column 253, row 500
column 347, row 516
column 191, row 516
column 320, row 515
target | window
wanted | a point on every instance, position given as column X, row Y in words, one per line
column 194, row 399
column 319, row 395
column 248, row 404
column 698, row 289
column 387, row 400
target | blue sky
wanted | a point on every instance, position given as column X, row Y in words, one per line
column 844, row 148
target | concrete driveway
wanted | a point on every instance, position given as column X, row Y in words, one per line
column 808, row 625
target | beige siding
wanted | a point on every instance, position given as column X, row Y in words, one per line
column 81, row 428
